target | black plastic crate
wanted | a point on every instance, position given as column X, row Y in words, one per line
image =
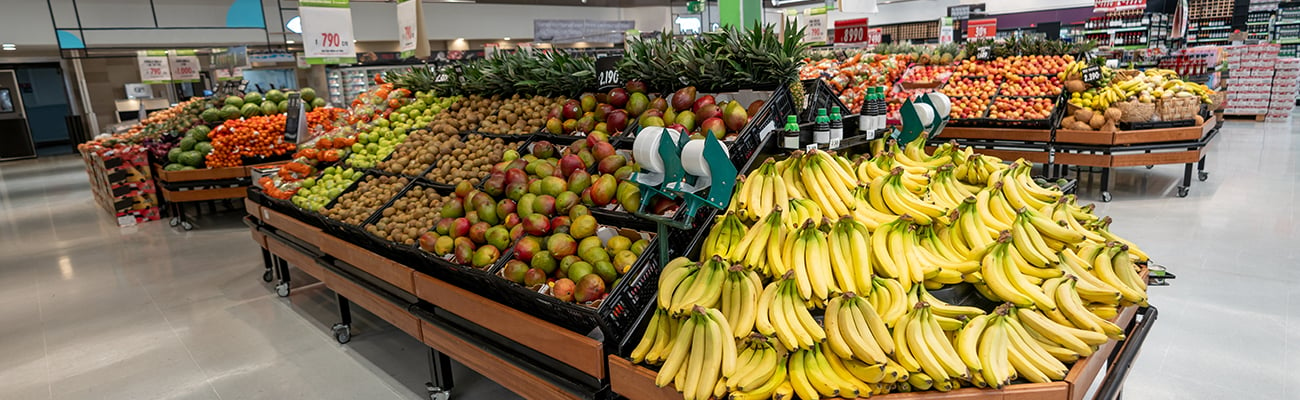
column 285, row 207
column 1133, row 126
column 820, row 95
column 347, row 232
column 404, row 253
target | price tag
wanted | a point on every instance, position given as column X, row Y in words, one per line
column 154, row 67
column 295, row 118
column 460, row 72
column 835, row 143
column 184, row 65
column 810, row 147
column 607, row 73
column 1091, row 74
column 406, row 27
column 984, row 53
column 851, row 31
column 327, row 31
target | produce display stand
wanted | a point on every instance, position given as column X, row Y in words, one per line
column 1184, row 145
column 527, row 355
column 636, row 382
column 200, row 185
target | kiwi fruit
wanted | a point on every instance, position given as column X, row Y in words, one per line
column 356, row 206
column 409, row 216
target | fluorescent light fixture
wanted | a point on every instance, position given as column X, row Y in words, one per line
column 294, row 25
column 507, row 38
column 9, row 47
column 460, row 39
column 289, row 42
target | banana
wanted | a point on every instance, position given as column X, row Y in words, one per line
column 672, row 281
column 836, row 374
column 1056, row 333
column 902, row 346
column 835, row 333
column 941, row 346
column 648, row 340
column 840, row 254
column 1037, row 357
column 858, row 335
column 967, row 344
column 983, row 206
column 868, row 373
column 817, row 376
column 695, row 365
column 768, row 388
column 920, row 381
column 1021, row 233
column 1074, row 309
column 1103, row 267
column 799, row 377
column 995, row 272
column 799, row 258
column 681, row 348
column 1127, row 273
column 921, row 348
column 994, row 353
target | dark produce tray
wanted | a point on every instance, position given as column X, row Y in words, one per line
column 1135, row 126
column 404, row 253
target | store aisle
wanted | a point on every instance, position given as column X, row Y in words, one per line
column 88, row 310
column 92, row 311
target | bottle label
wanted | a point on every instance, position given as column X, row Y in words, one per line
column 822, row 137
column 789, row 141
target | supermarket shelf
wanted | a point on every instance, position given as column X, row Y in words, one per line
column 1289, row 41
column 1257, row 23
column 1212, row 28
column 1116, row 30
column 1288, row 22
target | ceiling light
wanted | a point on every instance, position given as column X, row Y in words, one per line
column 507, row 38
column 294, row 25
column 289, row 42
column 10, row 49
column 460, row 39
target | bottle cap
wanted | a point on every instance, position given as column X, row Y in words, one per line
column 791, row 119
column 821, row 112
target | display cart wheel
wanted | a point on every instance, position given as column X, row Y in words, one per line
column 437, row 393
column 342, row 333
column 1150, row 166
column 174, row 221
column 1203, row 176
column 267, row 276
column 282, row 289
column 1183, row 190
column 1105, row 197
column 186, row 225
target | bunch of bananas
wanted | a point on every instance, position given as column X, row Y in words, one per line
column 1147, row 87
column 862, row 243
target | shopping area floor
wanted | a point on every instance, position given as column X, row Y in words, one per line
column 92, row 311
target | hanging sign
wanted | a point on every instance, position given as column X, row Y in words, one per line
column 816, row 27
column 945, row 30
column 982, row 28
column 1118, row 5
column 874, row 35
column 222, row 74
column 607, row 73
column 153, row 66
column 327, row 31
column 964, row 12
column 851, row 30
column 406, row 27
column 184, row 65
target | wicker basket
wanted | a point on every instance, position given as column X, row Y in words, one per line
column 1178, row 108
column 1218, row 100
column 1125, row 74
column 1136, row 111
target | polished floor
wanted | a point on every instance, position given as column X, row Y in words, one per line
column 92, row 311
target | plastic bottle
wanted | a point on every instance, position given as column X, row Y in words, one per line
column 837, row 124
column 822, row 129
column 790, row 138
column 878, row 109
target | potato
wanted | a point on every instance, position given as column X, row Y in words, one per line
column 1097, row 121
column 1084, row 114
column 1082, row 126
column 1067, row 121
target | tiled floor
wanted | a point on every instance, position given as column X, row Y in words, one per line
column 92, row 311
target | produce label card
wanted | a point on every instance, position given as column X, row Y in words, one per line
column 327, row 31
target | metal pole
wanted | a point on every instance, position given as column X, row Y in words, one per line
column 154, row 9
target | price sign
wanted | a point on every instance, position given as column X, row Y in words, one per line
column 874, row 36
column 184, row 65
column 607, row 73
column 460, row 73
column 835, row 143
column 406, row 27
column 1118, row 5
column 815, row 22
column 153, row 66
column 810, row 147
column 327, row 31
column 984, row 53
column 1091, row 74
column 945, row 30
column 982, row 28
column 851, row 30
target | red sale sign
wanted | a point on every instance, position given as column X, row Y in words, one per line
column 1118, row 5
column 982, row 28
column 851, row 30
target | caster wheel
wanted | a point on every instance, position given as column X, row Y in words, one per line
column 1105, row 197
column 186, row 225
column 267, row 276
column 1150, row 166
column 1203, row 176
column 342, row 333
column 1182, row 191
column 439, row 394
column 282, row 290
column 174, row 221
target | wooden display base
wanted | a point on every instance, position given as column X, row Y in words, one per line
column 580, row 352
column 1036, row 156
column 1009, row 134
column 1182, row 134
column 181, row 196
column 201, row 174
column 637, row 383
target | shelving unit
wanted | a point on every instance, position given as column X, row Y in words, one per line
column 1129, row 30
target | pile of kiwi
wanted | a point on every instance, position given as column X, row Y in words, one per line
column 420, row 150
column 469, row 161
column 519, row 115
column 465, row 115
column 409, row 216
column 371, row 193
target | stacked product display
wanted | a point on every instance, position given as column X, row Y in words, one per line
column 1286, row 76
column 1133, row 97
column 1250, row 79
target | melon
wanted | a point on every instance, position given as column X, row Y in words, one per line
column 253, row 98
column 250, row 110
column 211, row 115
column 275, row 96
column 308, row 94
column 235, row 101
column 269, row 108
column 187, row 144
column 174, row 154
column 191, row 158
column 203, row 147
column 230, row 112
